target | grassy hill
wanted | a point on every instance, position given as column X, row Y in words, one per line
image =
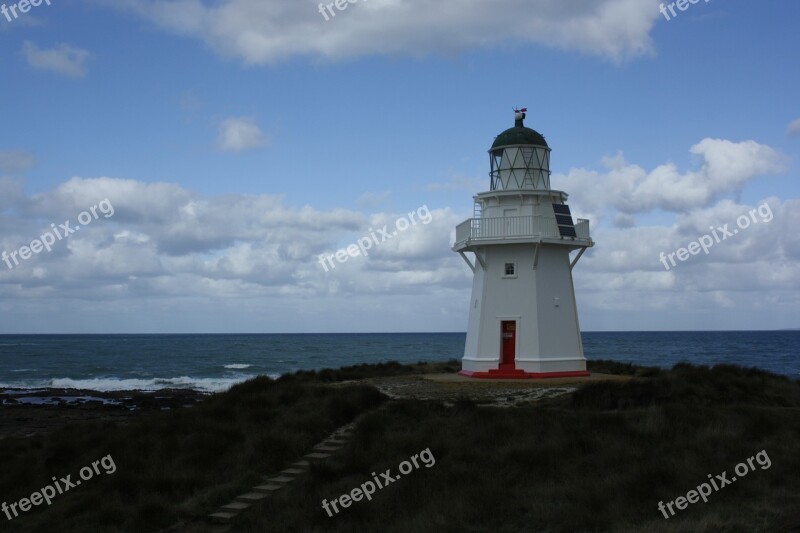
column 598, row 459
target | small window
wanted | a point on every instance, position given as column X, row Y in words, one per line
column 510, row 270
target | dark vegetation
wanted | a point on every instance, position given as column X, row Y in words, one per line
column 599, row 459
column 364, row 371
column 174, row 464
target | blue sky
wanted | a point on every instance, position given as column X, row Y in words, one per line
column 240, row 139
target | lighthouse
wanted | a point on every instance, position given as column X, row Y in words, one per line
column 523, row 319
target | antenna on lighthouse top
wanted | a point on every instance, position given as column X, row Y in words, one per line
column 519, row 116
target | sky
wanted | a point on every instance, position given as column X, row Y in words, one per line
column 212, row 151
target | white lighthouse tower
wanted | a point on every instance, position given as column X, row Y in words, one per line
column 523, row 320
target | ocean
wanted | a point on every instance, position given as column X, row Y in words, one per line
column 215, row 362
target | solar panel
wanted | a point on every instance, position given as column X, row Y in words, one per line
column 567, row 231
column 564, row 220
column 566, row 227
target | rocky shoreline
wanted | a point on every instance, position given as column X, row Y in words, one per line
column 26, row 412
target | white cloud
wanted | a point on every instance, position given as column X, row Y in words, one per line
column 793, row 129
column 254, row 244
column 258, row 32
column 64, row 59
column 240, row 133
column 171, row 259
column 725, row 168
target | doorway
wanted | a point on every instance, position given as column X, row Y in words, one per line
column 508, row 333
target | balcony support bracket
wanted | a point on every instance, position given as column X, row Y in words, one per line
column 467, row 261
column 575, row 261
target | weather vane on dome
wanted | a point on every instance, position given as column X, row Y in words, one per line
column 519, row 115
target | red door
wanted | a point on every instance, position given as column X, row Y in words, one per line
column 508, row 329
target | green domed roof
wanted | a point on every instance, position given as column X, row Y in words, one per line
column 519, row 134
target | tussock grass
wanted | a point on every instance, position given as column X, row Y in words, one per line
column 599, row 459
column 364, row 371
column 174, row 465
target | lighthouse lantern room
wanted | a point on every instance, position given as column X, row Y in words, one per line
column 523, row 319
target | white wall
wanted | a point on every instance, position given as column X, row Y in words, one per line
column 548, row 336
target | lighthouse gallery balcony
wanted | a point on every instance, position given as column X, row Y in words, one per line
column 520, row 229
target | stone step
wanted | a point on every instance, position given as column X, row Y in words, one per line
column 317, row 455
column 281, row 479
column 234, row 507
column 221, row 518
column 268, row 488
column 325, row 448
column 251, row 497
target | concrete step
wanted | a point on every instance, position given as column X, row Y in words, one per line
column 268, row 488
column 234, row 507
column 323, row 450
column 221, row 518
column 317, row 455
column 326, row 448
column 281, row 479
column 251, row 497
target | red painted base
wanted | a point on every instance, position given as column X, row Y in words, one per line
column 516, row 373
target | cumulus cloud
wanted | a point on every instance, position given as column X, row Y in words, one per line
column 725, row 168
column 63, row 59
column 240, row 133
column 237, row 244
column 258, row 32
column 180, row 258
column 632, row 248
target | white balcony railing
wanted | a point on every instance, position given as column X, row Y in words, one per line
column 516, row 228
